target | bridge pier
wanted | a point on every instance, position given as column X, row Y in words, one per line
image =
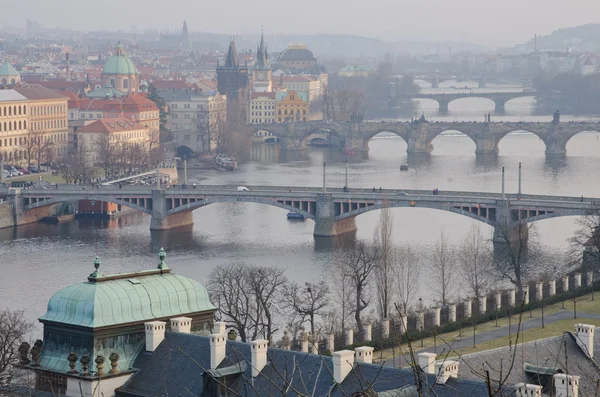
column 555, row 141
column 486, row 146
column 500, row 106
column 161, row 220
column 325, row 224
column 443, row 105
column 508, row 231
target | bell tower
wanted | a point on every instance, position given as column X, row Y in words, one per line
column 261, row 73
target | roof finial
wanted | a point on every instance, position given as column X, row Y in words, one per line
column 162, row 255
column 96, row 273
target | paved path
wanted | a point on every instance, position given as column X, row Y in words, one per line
column 467, row 340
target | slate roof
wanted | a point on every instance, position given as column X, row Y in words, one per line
column 176, row 367
column 551, row 352
column 40, row 93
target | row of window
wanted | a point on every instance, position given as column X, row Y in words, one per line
column 285, row 112
column 45, row 125
column 263, row 113
column 260, row 107
column 262, row 121
column 13, row 126
column 13, row 110
column 54, row 138
column 283, row 119
column 49, row 109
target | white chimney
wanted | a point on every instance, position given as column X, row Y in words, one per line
column 218, row 343
column 584, row 335
column 367, row 332
column 527, row 390
column 330, row 341
column 258, row 355
column 181, row 324
column 364, row 354
column 385, row 328
column 446, row 370
column 426, row 362
column 566, row 385
column 349, row 336
column 343, row 362
column 303, row 342
column 155, row 333
column 219, row 327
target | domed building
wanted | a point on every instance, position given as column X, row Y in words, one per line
column 106, row 317
column 9, row 77
column 297, row 57
column 120, row 72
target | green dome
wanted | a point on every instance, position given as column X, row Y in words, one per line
column 119, row 63
column 127, row 298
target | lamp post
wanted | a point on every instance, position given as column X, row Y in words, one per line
column 185, row 170
column 324, row 177
column 346, row 185
column 421, row 318
column 519, row 178
column 503, row 197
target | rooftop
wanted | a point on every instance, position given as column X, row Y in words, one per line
column 40, row 93
column 103, row 301
column 10, row 96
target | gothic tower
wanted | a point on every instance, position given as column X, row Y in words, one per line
column 261, row 72
column 185, row 39
column 232, row 80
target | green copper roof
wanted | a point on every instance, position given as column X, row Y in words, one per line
column 8, row 70
column 125, row 298
column 119, row 63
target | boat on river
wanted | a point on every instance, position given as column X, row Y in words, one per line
column 293, row 216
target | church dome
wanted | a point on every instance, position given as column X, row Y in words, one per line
column 119, row 63
column 297, row 53
column 127, row 298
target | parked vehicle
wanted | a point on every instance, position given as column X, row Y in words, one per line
column 242, row 189
column 34, row 170
column 24, row 171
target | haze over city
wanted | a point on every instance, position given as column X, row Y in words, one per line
column 488, row 22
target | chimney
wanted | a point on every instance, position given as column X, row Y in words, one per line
column 426, row 362
column 217, row 349
column 181, row 324
column 566, row 385
column 303, row 342
column 364, row 354
column 259, row 355
column 155, row 334
column 349, row 336
column 445, row 370
column 219, row 327
column 584, row 336
column 343, row 362
column 527, row 390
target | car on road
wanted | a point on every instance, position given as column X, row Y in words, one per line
column 243, row 189
column 402, row 194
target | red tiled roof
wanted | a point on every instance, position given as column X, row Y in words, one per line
column 61, row 85
column 270, row 95
column 170, row 84
column 111, row 125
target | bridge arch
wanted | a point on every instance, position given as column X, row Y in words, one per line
column 264, row 136
column 183, row 151
column 324, row 134
column 445, row 105
column 374, row 133
column 539, row 135
column 406, row 204
column 551, row 215
column 56, row 200
column 242, row 199
column 594, row 131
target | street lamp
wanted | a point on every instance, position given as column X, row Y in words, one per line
column 324, row 181
column 346, row 185
column 421, row 318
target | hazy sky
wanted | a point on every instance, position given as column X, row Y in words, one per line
column 489, row 22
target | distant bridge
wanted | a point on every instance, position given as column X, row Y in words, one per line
column 436, row 78
column 419, row 134
column 332, row 210
column 499, row 98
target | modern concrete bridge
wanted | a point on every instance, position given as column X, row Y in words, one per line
column 419, row 134
column 333, row 211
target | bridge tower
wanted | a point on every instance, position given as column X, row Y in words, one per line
column 508, row 230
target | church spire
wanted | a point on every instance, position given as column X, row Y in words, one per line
column 185, row 39
column 261, row 56
column 232, row 57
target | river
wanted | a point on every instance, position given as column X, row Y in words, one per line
column 40, row 259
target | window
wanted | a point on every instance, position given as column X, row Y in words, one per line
column 125, row 83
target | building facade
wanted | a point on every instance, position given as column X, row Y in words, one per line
column 297, row 57
column 291, row 106
column 33, row 125
column 95, row 137
column 195, row 118
column 9, row 77
column 261, row 108
column 261, row 72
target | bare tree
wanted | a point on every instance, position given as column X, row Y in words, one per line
column 360, row 261
column 386, row 266
column 585, row 243
column 308, row 301
column 109, row 155
column 514, row 251
column 13, row 330
column 268, row 285
column 75, row 167
column 230, row 291
column 475, row 262
column 443, row 269
column 408, row 273
column 343, row 292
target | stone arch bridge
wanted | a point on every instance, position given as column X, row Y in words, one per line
column 419, row 134
column 444, row 100
column 333, row 211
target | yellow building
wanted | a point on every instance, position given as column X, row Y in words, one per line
column 291, row 106
column 261, row 108
column 101, row 135
column 33, row 125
